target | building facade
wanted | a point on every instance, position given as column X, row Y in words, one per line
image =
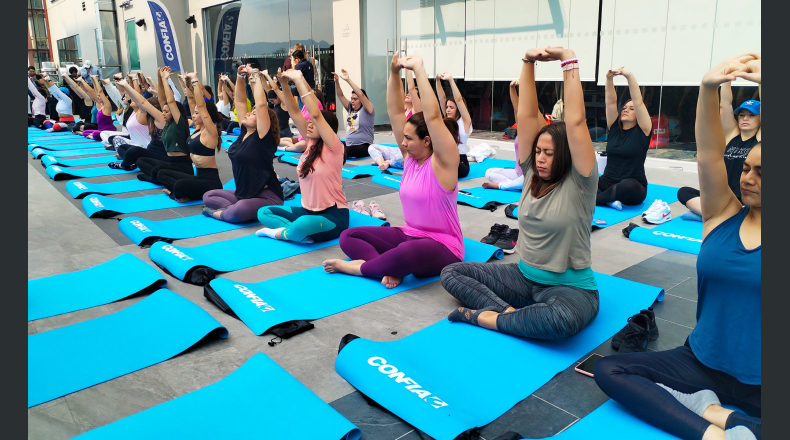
column 37, row 35
column 668, row 44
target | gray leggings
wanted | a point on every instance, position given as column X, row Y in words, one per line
column 542, row 311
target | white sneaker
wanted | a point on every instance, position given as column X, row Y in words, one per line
column 656, row 204
column 359, row 206
column 660, row 214
column 375, row 211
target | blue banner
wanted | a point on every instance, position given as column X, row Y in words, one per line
column 168, row 42
column 225, row 35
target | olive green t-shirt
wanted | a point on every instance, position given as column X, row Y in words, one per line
column 175, row 134
column 554, row 231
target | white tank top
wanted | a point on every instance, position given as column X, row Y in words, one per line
column 224, row 109
column 462, row 148
column 138, row 133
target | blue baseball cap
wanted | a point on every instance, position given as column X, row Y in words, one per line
column 751, row 105
column 65, row 91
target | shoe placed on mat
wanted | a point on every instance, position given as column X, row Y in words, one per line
column 656, row 203
column 616, row 205
column 627, row 230
column 375, row 211
column 691, row 215
column 507, row 241
column 493, row 235
column 635, row 335
column 359, row 206
column 661, row 214
column 652, row 328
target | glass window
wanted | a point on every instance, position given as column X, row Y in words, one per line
column 68, row 49
column 131, row 41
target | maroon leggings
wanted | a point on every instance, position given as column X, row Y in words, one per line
column 390, row 252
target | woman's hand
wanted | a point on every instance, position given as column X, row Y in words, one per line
column 344, row 74
column 412, row 62
column 725, row 71
column 122, row 82
column 292, row 74
column 614, row 72
column 241, row 70
column 559, row 53
column 751, row 71
column 447, row 76
column 337, row 79
column 514, row 84
column 395, row 66
column 537, row 55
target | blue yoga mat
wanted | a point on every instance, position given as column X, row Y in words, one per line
column 263, row 305
column 677, row 234
column 57, row 173
column 479, row 196
column 389, row 180
column 144, row 232
column 59, row 146
column 101, row 206
column 240, row 253
column 425, row 378
column 79, row 189
column 37, row 153
column 612, row 421
column 612, row 216
column 49, row 160
column 292, row 159
column 223, row 410
column 360, row 171
column 68, row 359
column 110, row 281
column 478, row 169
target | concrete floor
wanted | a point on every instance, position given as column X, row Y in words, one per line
column 62, row 239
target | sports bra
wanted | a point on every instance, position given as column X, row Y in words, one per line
column 197, row 148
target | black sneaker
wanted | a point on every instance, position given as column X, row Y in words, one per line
column 507, row 242
column 493, row 235
column 652, row 327
column 635, row 335
column 627, row 231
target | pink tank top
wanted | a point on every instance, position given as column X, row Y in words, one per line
column 430, row 211
column 138, row 133
column 518, row 168
column 323, row 188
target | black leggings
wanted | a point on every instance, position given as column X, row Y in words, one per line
column 150, row 167
column 130, row 154
column 627, row 191
column 687, row 193
column 228, row 125
column 463, row 167
column 189, row 186
column 36, row 121
column 82, row 126
column 360, row 150
column 631, row 380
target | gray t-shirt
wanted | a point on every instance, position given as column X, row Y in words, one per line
column 554, row 231
column 359, row 126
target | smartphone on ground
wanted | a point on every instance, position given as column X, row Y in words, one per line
column 587, row 366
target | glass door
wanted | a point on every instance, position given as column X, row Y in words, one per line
column 131, row 41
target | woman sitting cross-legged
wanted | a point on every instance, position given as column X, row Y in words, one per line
column 551, row 292
column 324, row 211
column 681, row 391
column 251, row 156
column 431, row 238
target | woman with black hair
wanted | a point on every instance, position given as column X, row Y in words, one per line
column 623, row 181
column 202, row 146
column 551, row 293
column 174, row 136
column 361, row 114
column 324, row 211
column 104, row 116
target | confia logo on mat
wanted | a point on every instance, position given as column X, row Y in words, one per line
column 679, row 237
column 255, row 299
column 178, row 254
column 139, row 225
column 56, row 169
column 400, row 377
column 96, row 202
column 79, row 185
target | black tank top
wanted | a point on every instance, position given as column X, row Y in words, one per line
column 197, row 148
column 734, row 156
column 626, row 151
column 282, row 120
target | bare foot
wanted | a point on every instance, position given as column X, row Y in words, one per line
column 490, row 185
column 182, row 200
column 117, row 156
column 390, row 281
column 336, row 265
column 384, row 165
column 166, row 191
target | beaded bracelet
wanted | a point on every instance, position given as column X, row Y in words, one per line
column 570, row 66
column 569, row 61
